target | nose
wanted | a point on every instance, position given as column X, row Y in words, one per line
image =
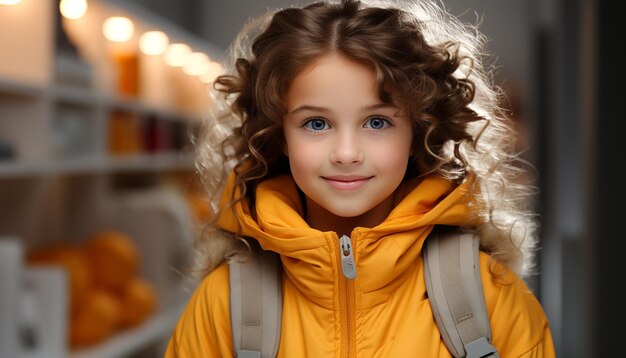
column 347, row 149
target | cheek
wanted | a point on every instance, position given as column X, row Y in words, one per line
column 392, row 158
column 303, row 158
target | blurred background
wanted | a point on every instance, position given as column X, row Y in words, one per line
column 99, row 203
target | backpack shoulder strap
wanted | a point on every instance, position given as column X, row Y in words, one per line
column 455, row 291
column 256, row 304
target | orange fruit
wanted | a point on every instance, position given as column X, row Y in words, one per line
column 95, row 320
column 137, row 302
column 112, row 258
column 69, row 258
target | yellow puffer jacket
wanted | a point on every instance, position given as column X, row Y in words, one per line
column 384, row 312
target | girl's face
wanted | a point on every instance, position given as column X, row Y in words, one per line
column 348, row 151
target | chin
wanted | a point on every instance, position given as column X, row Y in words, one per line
column 348, row 212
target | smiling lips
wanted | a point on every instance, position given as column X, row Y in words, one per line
column 347, row 182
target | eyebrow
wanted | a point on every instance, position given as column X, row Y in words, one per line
column 326, row 110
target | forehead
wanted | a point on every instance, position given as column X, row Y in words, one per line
column 333, row 79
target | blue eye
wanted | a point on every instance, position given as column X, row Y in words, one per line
column 377, row 123
column 316, row 124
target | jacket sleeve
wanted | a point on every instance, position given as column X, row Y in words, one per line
column 204, row 328
column 519, row 327
column 545, row 348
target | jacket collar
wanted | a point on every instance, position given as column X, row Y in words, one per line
column 382, row 253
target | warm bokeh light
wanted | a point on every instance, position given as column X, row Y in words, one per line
column 214, row 70
column 177, row 54
column 118, row 29
column 9, row 2
column 73, row 9
column 153, row 42
column 197, row 64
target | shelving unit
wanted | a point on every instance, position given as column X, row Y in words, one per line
column 61, row 161
column 20, row 95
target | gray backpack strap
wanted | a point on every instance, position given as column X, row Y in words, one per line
column 256, row 304
column 455, row 291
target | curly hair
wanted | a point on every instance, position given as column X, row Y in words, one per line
column 426, row 62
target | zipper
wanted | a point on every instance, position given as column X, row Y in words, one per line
column 346, row 296
column 348, row 266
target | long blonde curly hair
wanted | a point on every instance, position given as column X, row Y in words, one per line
column 433, row 63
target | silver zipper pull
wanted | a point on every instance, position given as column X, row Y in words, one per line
column 348, row 266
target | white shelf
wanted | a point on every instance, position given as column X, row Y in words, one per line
column 109, row 102
column 125, row 343
column 134, row 105
column 90, row 97
column 18, row 89
column 75, row 94
column 156, row 162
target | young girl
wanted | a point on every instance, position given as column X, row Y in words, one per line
column 374, row 120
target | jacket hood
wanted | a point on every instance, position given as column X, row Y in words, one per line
column 383, row 254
